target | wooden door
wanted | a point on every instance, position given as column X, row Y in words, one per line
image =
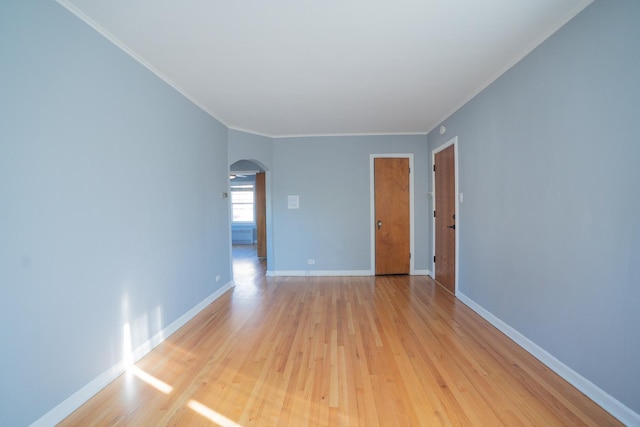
column 445, row 215
column 261, row 214
column 392, row 219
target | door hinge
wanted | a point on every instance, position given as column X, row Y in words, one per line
column 434, row 168
column 409, row 255
column 434, row 214
column 434, row 258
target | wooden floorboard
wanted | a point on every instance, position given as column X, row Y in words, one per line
column 329, row 351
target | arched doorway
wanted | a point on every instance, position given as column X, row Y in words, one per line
column 247, row 185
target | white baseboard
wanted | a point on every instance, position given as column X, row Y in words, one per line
column 421, row 273
column 77, row 399
column 320, row 273
column 298, row 273
column 616, row 408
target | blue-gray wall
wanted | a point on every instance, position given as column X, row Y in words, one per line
column 249, row 146
column 110, row 207
column 331, row 175
column 550, row 171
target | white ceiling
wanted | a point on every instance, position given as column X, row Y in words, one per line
column 327, row 67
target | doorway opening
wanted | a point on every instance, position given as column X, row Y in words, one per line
column 247, row 187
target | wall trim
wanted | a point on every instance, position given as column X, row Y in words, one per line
column 332, row 273
column 123, row 46
column 322, row 135
column 77, row 399
column 252, row 132
column 318, row 273
column 133, row 54
column 421, row 273
column 616, row 408
column 520, row 56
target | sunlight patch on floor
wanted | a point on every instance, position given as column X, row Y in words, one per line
column 151, row 380
column 212, row 415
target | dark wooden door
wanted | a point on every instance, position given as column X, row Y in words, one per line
column 261, row 214
column 392, row 218
column 445, row 218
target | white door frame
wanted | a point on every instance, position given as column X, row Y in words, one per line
column 372, row 204
column 453, row 141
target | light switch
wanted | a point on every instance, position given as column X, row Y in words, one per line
column 293, row 202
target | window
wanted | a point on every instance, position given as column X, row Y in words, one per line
column 242, row 200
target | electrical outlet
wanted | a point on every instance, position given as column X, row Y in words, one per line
column 311, row 261
column 217, row 278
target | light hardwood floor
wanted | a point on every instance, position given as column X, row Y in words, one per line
column 339, row 351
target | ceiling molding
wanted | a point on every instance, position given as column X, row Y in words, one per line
column 544, row 36
column 320, row 135
column 252, row 132
column 426, row 126
column 125, row 48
